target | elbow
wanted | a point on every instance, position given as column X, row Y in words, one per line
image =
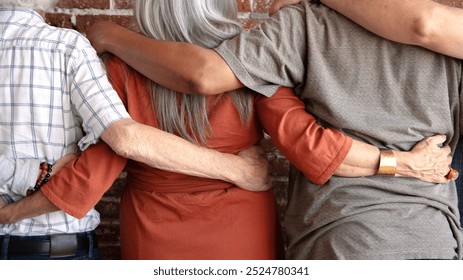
column 424, row 28
column 200, row 84
column 209, row 74
column 121, row 150
column 202, row 81
column 119, row 136
column 121, row 145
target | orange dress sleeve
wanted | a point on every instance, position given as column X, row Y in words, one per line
column 316, row 151
column 80, row 184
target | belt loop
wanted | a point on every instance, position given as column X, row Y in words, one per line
column 5, row 242
column 90, row 244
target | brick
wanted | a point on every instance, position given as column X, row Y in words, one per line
column 110, row 252
column 84, row 21
column 278, row 165
column 108, row 239
column 108, row 231
column 59, row 20
column 124, row 4
column 109, row 207
column 267, row 145
column 84, row 4
column 261, row 6
column 116, row 188
column 244, row 6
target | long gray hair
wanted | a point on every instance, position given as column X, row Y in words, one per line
column 206, row 23
column 43, row 5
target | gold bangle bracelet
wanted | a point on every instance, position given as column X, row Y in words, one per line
column 387, row 163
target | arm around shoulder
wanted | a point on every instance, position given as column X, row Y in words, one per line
column 180, row 66
column 425, row 23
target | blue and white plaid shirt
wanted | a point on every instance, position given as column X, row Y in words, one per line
column 52, row 84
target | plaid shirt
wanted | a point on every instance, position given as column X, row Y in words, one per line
column 54, row 99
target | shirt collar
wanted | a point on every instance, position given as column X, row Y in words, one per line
column 21, row 13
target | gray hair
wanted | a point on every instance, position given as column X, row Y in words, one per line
column 42, row 5
column 206, row 23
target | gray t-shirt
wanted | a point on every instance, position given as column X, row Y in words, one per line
column 386, row 94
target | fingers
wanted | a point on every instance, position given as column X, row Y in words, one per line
column 255, row 151
column 436, row 139
column 452, row 175
column 449, row 160
column 278, row 4
column 275, row 7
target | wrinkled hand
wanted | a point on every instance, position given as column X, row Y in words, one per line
column 255, row 170
column 278, row 4
column 99, row 33
column 62, row 162
column 426, row 161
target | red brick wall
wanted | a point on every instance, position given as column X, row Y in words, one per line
column 78, row 14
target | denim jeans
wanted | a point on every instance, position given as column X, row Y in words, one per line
column 458, row 165
column 90, row 253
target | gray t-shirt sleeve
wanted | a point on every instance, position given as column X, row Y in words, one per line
column 270, row 55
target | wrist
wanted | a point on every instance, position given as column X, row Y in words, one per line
column 404, row 167
column 118, row 36
column 387, row 163
column 6, row 215
column 45, row 175
column 235, row 174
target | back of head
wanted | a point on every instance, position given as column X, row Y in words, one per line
column 42, row 5
column 206, row 23
column 203, row 22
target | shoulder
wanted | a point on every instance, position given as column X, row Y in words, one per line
column 117, row 68
column 65, row 37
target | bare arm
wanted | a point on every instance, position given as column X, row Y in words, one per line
column 427, row 161
column 180, row 66
column 31, row 206
column 161, row 150
column 424, row 23
column 278, row 4
column 34, row 205
column 94, row 171
column 321, row 152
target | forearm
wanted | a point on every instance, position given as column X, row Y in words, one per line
column 322, row 152
column 315, row 151
column 418, row 22
column 180, row 66
column 427, row 161
column 31, row 206
column 79, row 186
column 361, row 160
column 168, row 152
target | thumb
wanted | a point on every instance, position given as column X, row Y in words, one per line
column 278, row 4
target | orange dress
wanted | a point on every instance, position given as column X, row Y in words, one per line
column 166, row 215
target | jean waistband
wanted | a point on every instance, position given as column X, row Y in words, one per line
column 55, row 246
